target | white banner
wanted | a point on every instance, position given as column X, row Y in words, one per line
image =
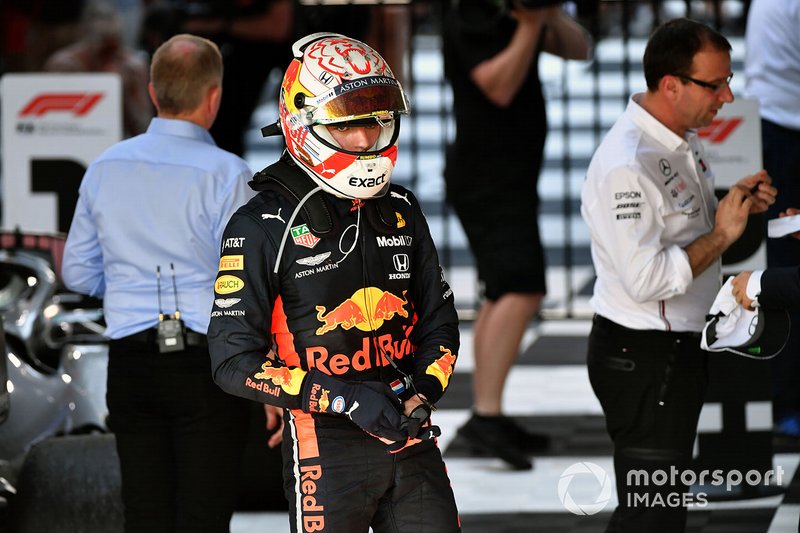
column 733, row 148
column 53, row 126
column 733, row 142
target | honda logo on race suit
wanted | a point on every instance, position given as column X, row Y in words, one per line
column 401, row 262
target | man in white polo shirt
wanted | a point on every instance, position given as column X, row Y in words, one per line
column 657, row 235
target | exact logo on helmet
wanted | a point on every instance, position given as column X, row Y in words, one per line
column 367, row 182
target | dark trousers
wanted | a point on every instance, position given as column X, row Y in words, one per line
column 179, row 438
column 782, row 161
column 339, row 477
column 651, row 385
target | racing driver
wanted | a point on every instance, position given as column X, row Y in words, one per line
column 331, row 304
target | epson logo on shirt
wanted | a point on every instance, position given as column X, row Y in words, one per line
column 627, row 195
column 395, row 240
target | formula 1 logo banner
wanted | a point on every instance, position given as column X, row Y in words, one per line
column 78, row 103
column 720, row 129
column 732, row 142
column 53, row 127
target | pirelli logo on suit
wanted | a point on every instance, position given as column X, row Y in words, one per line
column 231, row 262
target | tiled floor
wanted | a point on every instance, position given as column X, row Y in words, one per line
column 548, row 391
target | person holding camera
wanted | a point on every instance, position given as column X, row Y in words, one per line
column 145, row 238
column 491, row 57
column 331, row 303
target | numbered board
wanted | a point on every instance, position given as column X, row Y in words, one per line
column 53, row 126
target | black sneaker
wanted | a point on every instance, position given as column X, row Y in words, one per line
column 488, row 435
column 527, row 441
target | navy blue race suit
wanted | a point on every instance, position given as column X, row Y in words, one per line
column 342, row 302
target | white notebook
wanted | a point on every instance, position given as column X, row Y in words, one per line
column 780, row 227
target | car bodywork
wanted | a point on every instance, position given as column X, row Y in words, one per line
column 54, row 366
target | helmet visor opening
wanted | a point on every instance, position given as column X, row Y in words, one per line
column 387, row 138
column 375, row 96
column 376, row 120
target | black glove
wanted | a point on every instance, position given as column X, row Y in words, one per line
column 414, row 424
column 372, row 405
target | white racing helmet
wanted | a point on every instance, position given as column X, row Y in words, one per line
column 334, row 79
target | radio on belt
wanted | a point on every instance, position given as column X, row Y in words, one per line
column 170, row 331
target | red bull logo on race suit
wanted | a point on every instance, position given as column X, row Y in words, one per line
column 288, row 379
column 442, row 368
column 366, row 310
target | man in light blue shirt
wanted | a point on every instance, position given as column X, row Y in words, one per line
column 161, row 200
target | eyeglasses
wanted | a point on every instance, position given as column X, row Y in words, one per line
column 716, row 87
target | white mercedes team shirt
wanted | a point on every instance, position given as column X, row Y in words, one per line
column 649, row 193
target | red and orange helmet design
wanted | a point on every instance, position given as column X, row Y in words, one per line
column 334, row 79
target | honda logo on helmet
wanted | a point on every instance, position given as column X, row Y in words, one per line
column 326, row 77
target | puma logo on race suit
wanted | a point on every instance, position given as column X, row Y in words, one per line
column 349, row 412
column 265, row 216
column 401, row 196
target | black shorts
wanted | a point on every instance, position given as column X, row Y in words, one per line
column 339, row 479
column 503, row 234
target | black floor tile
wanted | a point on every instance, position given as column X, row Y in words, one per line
column 575, row 435
column 718, row 521
column 555, row 350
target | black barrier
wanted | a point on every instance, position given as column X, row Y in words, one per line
column 739, row 389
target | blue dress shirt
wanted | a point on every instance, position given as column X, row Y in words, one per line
column 158, row 198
